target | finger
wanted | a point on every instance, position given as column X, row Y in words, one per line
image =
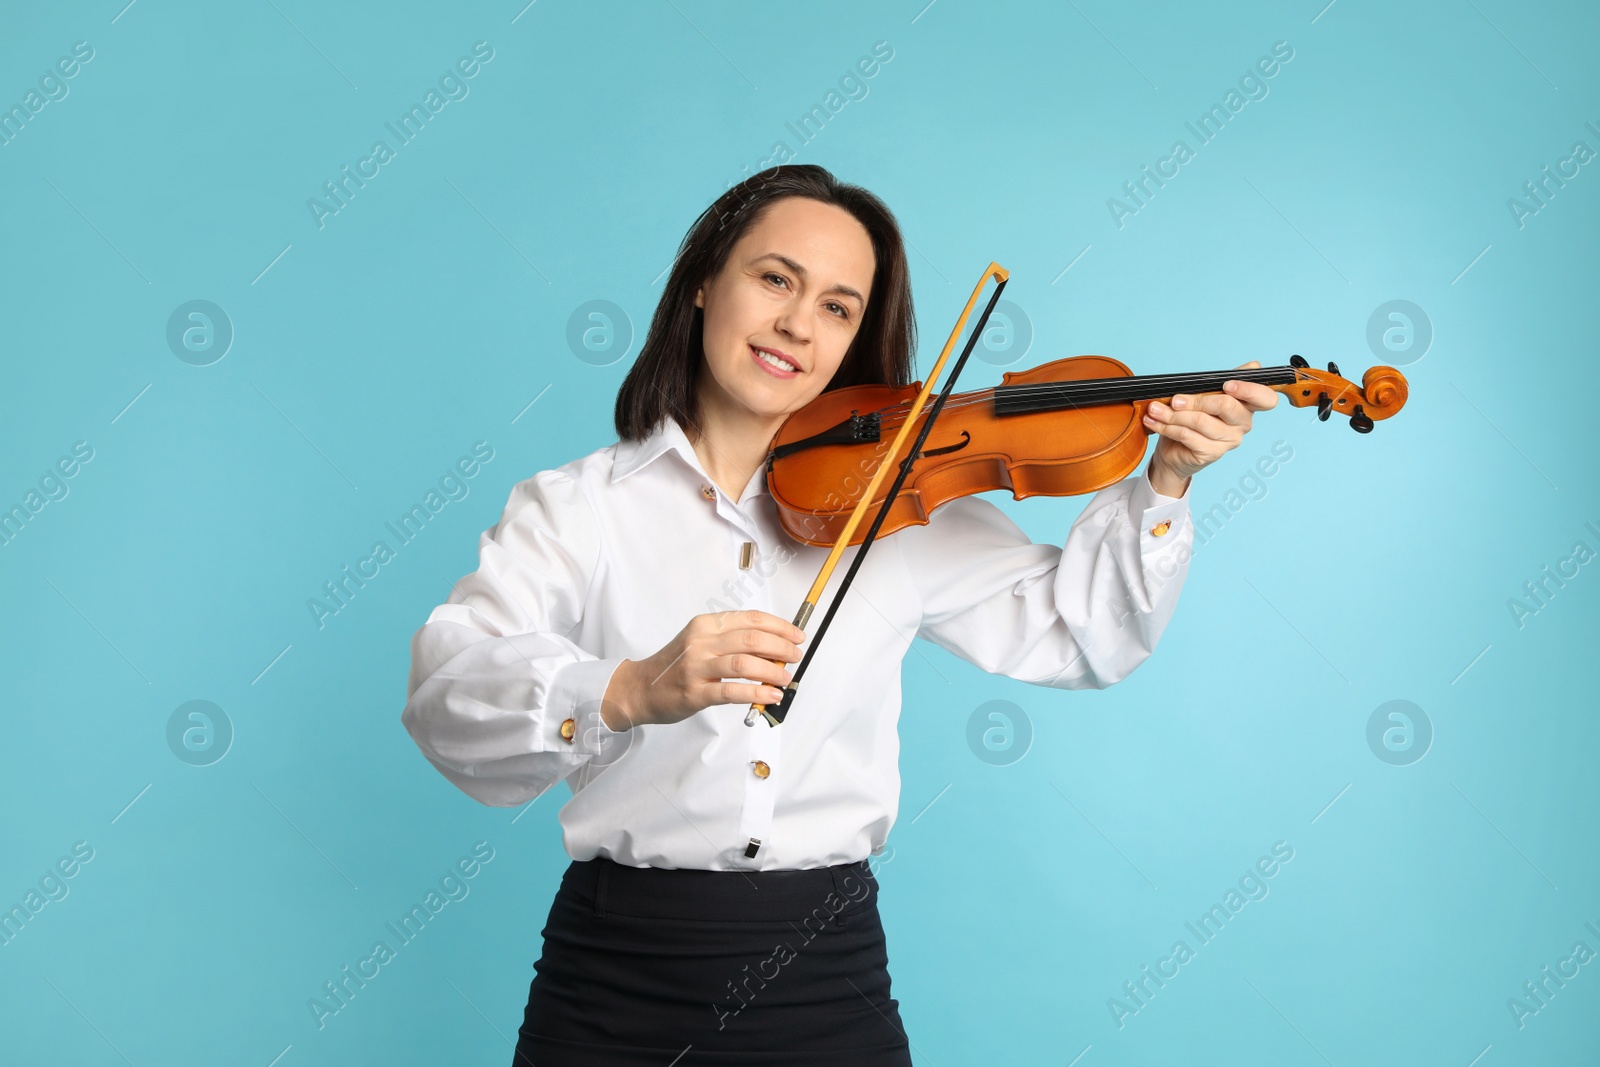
column 1193, row 440
column 1254, row 395
column 730, row 627
column 748, row 618
column 1208, row 426
column 754, row 668
column 756, row 643
column 1224, row 407
column 1259, row 397
column 765, row 620
column 744, row 693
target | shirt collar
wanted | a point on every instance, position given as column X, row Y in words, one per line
column 667, row 436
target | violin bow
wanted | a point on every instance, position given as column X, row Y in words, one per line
column 775, row 713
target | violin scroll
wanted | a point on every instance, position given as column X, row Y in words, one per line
column 1382, row 392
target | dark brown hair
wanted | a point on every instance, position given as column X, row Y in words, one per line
column 664, row 377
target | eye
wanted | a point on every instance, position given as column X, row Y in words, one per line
column 844, row 312
column 771, row 274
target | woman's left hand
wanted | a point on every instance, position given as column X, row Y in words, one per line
column 1199, row 428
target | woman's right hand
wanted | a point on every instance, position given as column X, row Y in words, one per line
column 687, row 674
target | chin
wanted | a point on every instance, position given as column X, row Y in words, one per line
column 770, row 409
column 766, row 397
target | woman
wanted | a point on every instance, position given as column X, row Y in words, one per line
column 629, row 606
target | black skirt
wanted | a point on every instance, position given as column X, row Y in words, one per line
column 672, row 968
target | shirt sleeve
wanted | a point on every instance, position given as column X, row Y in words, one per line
column 494, row 673
column 1078, row 617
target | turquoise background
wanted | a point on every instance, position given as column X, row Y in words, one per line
column 371, row 352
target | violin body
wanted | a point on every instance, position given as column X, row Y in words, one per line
column 1044, row 453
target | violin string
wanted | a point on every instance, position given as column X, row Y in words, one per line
column 1135, row 387
column 1092, row 391
column 986, row 396
column 1146, row 382
column 1097, row 386
column 1101, row 393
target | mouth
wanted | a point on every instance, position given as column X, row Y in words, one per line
column 773, row 362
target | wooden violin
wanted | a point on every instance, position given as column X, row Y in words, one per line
column 1071, row 426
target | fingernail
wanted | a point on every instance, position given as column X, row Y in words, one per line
column 1158, row 407
column 774, row 695
column 1180, row 401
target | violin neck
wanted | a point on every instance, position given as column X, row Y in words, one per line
column 1057, row 396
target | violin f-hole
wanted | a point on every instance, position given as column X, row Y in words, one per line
column 966, row 439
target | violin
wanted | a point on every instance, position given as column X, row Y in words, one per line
column 1070, row 426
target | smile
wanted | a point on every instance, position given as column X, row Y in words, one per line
column 773, row 364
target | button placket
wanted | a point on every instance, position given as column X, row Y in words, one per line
column 763, row 744
column 760, row 774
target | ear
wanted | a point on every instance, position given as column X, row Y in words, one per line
column 700, row 297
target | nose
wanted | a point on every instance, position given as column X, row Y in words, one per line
column 795, row 322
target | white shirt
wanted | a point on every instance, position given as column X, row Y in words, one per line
column 608, row 557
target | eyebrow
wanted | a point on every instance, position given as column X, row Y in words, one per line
column 801, row 271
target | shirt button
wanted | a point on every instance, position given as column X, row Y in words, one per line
column 761, row 769
column 708, row 492
column 568, row 728
column 1161, row 528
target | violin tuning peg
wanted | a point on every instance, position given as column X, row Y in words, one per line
column 1360, row 421
column 1298, row 362
column 1324, row 406
column 1333, row 368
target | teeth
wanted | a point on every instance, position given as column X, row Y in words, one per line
column 774, row 360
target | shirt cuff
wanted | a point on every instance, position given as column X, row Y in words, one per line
column 575, row 693
column 1157, row 517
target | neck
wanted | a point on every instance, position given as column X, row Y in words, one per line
column 731, row 441
column 1056, row 396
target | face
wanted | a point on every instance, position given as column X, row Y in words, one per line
column 794, row 288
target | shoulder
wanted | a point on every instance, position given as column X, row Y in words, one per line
column 590, row 472
column 561, row 496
